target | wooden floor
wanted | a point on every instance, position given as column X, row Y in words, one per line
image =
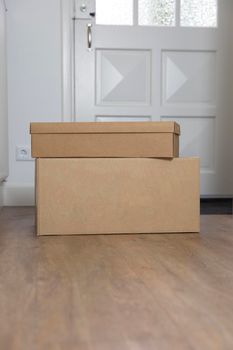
column 125, row 292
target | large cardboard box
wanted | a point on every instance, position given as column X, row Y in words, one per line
column 117, row 195
column 67, row 140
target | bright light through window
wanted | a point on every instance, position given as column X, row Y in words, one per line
column 114, row 12
column 156, row 12
column 193, row 13
column 198, row 13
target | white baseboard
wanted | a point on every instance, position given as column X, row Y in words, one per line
column 18, row 195
column 1, row 195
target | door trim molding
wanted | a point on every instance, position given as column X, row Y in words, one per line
column 67, row 38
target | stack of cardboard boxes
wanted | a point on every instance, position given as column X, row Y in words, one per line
column 99, row 178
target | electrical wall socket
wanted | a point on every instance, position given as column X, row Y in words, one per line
column 23, row 153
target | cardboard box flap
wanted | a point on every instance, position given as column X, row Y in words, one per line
column 106, row 127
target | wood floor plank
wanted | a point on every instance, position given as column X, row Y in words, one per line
column 126, row 292
column 192, row 291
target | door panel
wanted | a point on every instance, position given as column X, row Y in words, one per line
column 123, row 77
column 189, row 77
column 200, row 143
column 135, row 71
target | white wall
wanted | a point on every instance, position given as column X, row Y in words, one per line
column 3, row 96
column 34, row 83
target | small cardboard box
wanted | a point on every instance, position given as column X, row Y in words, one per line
column 117, row 195
column 68, row 140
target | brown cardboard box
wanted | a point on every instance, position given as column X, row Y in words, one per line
column 99, row 195
column 68, row 140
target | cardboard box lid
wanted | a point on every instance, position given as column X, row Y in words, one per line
column 106, row 127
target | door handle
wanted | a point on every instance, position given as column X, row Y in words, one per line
column 89, row 36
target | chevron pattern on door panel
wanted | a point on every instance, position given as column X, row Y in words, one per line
column 189, row 77
column 123, row 77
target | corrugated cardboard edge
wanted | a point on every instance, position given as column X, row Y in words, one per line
column 107, row 127
column 37, row 190
column 198, row 184
column 176, row 146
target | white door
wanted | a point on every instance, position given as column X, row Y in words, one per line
column 148, row 60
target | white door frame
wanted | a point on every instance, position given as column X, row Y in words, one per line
column 67, row 38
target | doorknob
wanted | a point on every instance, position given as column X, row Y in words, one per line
column 89, row 36
column 92, row 14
